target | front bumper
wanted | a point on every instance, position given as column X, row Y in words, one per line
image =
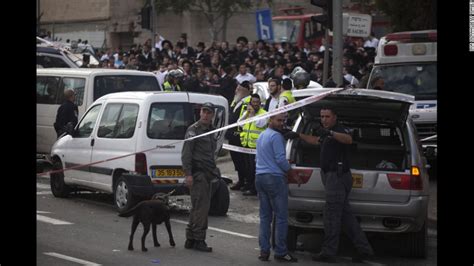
column 141, row 185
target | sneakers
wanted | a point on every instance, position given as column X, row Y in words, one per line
column 189, row 243
column 285, row 258
column 264, row 256
column 323, row 258
column 201, row 246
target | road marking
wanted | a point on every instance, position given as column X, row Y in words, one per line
column 44, row 193
column 45, row 219
column 218, row 230
column 42, row 212
column 64, row 257
column 38, row 185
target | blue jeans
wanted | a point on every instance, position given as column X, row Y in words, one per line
column 273, row 195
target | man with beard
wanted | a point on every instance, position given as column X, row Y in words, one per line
column 274, row 87
column 237, row 107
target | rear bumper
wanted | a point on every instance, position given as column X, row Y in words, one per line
column 308, row 213
column 141, row 185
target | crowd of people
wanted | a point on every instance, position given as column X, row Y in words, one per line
column 204, row 69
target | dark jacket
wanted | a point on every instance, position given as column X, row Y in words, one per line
column 67, row 113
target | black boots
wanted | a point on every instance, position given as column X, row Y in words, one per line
column 201, row 246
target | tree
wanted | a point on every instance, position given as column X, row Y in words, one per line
column 406, row 15
column 216, row 12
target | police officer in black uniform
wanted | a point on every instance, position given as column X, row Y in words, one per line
column 337, row 179
column 66, row 116
column 200, row 169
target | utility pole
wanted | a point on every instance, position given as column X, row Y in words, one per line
column 337, row 42
column 326, row 57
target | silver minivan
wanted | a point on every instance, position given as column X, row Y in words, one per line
column 390, row 182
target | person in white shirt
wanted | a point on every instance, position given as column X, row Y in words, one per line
column 371, row 41
column 274, row 88
column 244, row 75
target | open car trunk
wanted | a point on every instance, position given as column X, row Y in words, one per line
column 379, row 145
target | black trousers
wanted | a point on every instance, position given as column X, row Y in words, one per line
column 238, row 159
column 250, row 166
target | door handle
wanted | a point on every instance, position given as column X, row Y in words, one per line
column 92, row 142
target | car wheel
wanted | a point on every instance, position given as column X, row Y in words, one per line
column 291, row 238
column 124, row 199
column 415, row 243
column 220, row 199
column 58, row 187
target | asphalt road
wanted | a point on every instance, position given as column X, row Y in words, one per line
column 87, row 231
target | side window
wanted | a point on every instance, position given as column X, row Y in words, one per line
column 47, row 90
column 118, row 121
column 50, row 61
column 109, row 84
column 78, row 85
column 88, row 122
column 167, row 121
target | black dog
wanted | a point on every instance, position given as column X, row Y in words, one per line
column 154, row 211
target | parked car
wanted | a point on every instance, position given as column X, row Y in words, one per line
column 390, row 183
column 89, row 85
column 124, row 123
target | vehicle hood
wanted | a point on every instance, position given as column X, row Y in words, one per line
column 361, row 105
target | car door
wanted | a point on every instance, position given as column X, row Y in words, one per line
column 79, row 148
column 116, row 136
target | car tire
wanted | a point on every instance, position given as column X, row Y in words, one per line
column 58, row 187
column 123, row 198
column 220, row 199
column 291, row 238
column 415, row 243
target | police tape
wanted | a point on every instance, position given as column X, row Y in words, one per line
column 279, row 110
column 239, row 149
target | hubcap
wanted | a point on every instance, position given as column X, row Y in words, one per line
column 121, row 194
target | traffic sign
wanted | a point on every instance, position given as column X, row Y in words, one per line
column 356, row 25
column 264, row 24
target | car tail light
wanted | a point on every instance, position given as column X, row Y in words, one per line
column 140, row 164
column 303, row 174
column 390, row 50
column 411, row 181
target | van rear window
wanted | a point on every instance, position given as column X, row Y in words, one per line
column 109, row 84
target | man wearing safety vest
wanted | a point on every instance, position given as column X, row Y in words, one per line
column 286, row 97
column 248, row 139
column 237, row 107
column 174, row 77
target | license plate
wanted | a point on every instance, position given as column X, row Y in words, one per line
column 357, row 180
column 167, row 172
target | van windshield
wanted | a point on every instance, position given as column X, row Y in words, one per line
column 109, row 84
column 419, row 80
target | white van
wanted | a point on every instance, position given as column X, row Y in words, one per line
column 124, row 123
column 407, row 63
column 89, row 85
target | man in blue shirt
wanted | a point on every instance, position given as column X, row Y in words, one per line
column 271, row 184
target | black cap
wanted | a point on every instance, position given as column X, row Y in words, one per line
column 209, row 106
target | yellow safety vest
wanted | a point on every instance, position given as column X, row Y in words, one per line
column 288, row 95
column 243, row 107
column 250, row 132
column 168, row 87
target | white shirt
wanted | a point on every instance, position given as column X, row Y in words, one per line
column 247, row 76
column 161, row 76
column 273, row 104
column 372, row 43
